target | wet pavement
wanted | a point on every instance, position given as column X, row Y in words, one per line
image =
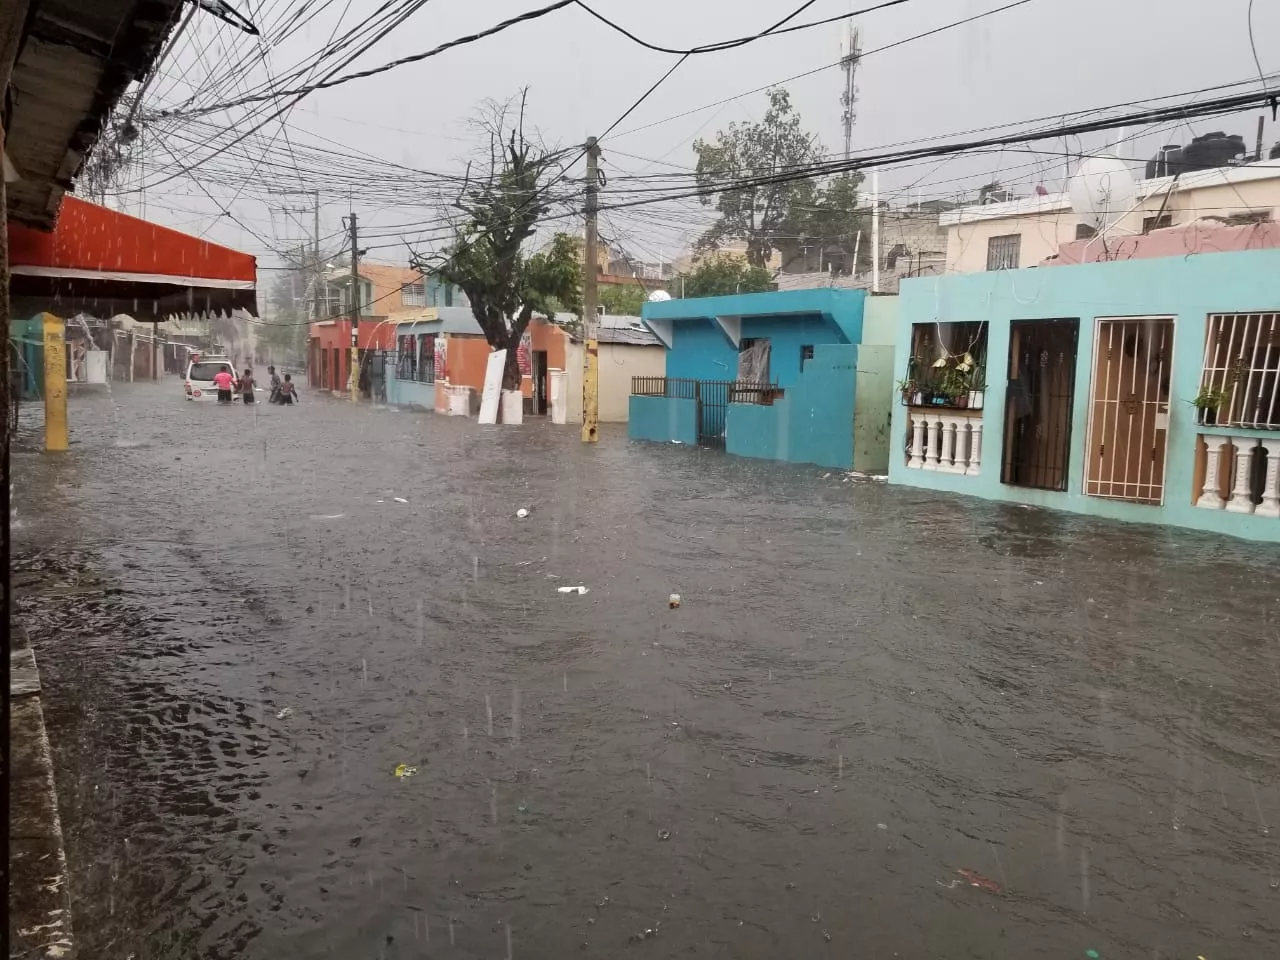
column 881, row 722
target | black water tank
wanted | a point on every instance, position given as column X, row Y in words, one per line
column 1165, row 163
column 1212, row 150
column 1275, row 153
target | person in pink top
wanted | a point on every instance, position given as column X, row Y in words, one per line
column 224, row 382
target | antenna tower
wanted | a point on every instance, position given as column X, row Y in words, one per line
column 851, row 52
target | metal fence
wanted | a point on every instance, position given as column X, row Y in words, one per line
column 673, row 388
column 713, row 398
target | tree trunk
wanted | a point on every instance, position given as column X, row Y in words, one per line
column 511, row 375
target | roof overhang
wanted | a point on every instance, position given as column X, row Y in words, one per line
column 102, row 262
column 75, row 60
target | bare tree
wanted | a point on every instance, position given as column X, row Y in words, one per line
column 496, row 215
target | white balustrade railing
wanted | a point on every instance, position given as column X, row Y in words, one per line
column 949, row 441
column 1241, row 474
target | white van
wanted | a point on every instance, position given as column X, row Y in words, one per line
column 200, row 374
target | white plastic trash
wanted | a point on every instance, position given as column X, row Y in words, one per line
column 578, row 590
column 522, row 512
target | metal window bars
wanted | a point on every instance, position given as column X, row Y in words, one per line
column 1242, row 361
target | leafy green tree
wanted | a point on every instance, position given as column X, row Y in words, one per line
column 759, row 214
column 488, row 259
column 831, row 224
column 719, row 276
column 623, row 300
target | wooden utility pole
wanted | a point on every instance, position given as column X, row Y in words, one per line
column 590, row 317
column 353, row 380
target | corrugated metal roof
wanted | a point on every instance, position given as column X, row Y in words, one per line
column 629, row 336
column 456, row 320
column 75, row 60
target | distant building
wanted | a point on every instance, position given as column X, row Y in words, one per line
column 1024, row 232
column 390, row 291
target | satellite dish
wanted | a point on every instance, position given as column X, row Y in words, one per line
column 1102, row 191
column 659, row 296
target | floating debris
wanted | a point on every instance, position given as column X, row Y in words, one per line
column 673, row 601
column 327, row 516
column 578, row 590
column 975, row 879
column 664, row 834
column 522, row 512
column 285, row 714
column 401, row 500
column 404, row 770
column 522, row 807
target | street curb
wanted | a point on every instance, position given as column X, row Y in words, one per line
column 39, row 895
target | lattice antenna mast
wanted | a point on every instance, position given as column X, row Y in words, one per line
column 850, row 53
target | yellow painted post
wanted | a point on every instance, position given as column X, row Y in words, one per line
column 590, row 319
column 55, row 384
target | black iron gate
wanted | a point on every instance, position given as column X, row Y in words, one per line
column 713, row 404
column 1039, row 403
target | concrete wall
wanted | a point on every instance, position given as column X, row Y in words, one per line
column 874, row 398
column 618, row 364
column 663, row 420
column 701, row 351
column 812, row 423
column 1186, row 288
column 410, row 393
column 880, row 321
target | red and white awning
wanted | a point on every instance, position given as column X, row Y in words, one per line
column 102, row 262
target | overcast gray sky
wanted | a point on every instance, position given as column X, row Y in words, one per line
column 1039, row 59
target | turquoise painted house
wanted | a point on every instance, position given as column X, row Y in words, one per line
column 1143, row 390
column 778, row 376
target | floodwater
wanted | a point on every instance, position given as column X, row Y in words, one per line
column 881, row 723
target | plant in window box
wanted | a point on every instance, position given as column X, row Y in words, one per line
column 907, row 387
column 1208, row 402
column 955, row 387
column 977, row 389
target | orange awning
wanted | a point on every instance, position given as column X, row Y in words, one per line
column 102, row 262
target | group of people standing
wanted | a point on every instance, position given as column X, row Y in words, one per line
column 282, row 390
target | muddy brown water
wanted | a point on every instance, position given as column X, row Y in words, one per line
column 865, row 691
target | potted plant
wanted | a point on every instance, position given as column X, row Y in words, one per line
column 977, row 389
column 906, row 387
column 955, row 387
column 1209, row 401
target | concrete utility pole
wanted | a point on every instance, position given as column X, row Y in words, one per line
column 315, row 287
column 590, row 318
column 875, row 231
column 353, row 380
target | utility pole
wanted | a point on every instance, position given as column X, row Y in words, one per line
column 875, row 231
column 590, row 319
column 353, row 379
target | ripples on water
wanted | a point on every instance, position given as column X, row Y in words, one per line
column 864, row 691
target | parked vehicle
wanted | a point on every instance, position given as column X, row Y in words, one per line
column 200, row 373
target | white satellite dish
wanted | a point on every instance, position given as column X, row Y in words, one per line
column 1102, row 191
column 658, row 296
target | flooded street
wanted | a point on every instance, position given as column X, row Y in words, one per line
column 881, row 723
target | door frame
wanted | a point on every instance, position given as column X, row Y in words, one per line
column 1008, row 437
column 1172, row 321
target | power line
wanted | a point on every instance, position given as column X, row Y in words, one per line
column 809, row 73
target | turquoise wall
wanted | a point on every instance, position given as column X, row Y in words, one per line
column 1186, row 288
column 790, row 319
column 701, row 351
column 663, row 419
column 812, row 423
column 409, row 393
